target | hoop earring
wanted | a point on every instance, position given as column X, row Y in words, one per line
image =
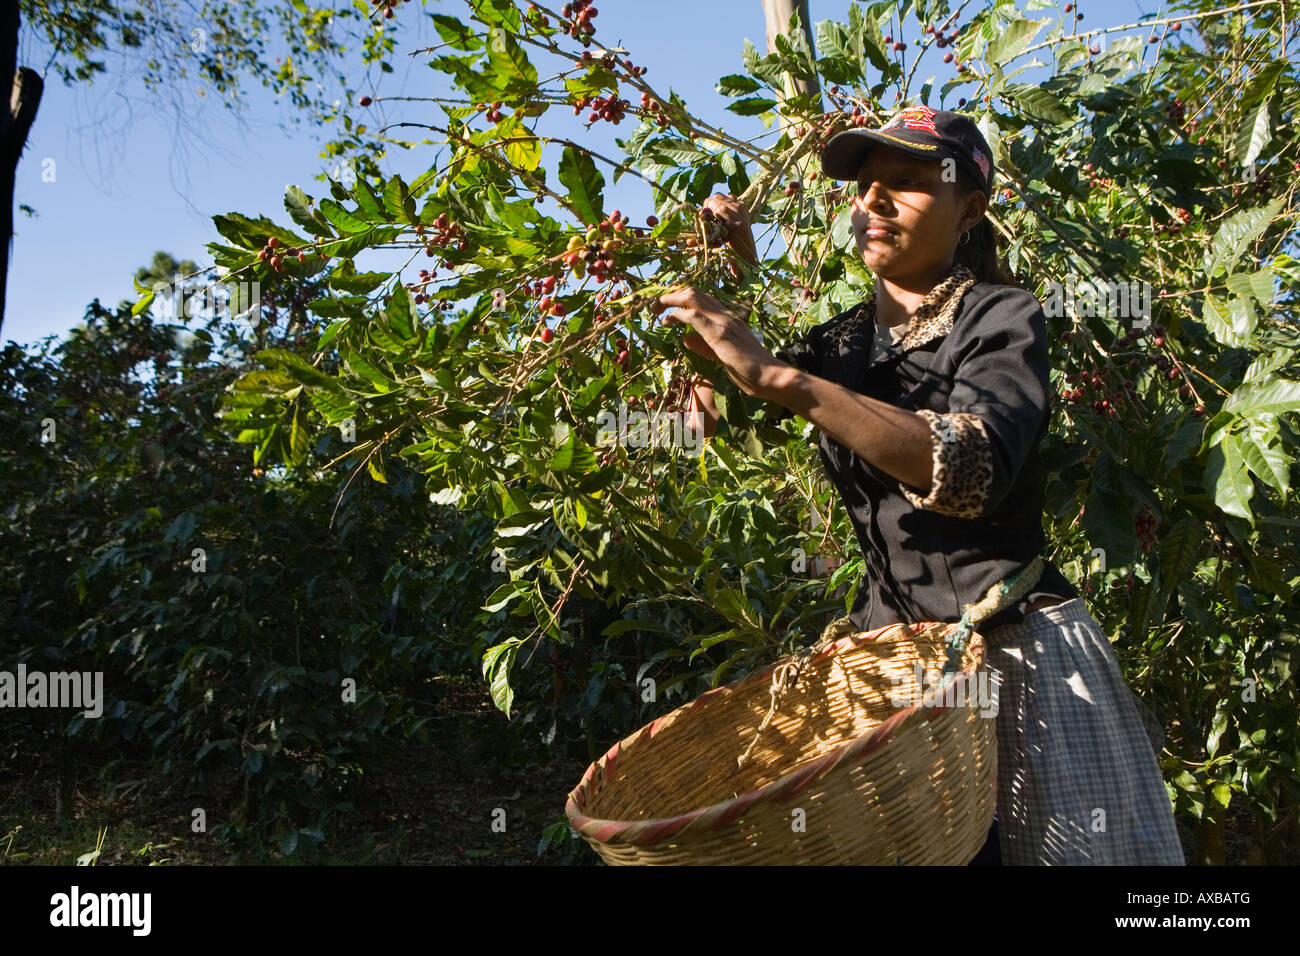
column 965, row 238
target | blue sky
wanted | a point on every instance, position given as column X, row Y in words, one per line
column 127, row 184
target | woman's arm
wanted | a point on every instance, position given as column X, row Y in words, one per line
column 704, row 414
column 896, row 441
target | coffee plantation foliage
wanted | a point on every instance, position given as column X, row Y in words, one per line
column 623, row 580
column 226, row 604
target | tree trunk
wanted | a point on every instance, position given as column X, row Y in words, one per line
column 778, row 23
column 15, row 122
column 778, row 14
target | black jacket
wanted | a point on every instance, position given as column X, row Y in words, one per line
column 974, row 364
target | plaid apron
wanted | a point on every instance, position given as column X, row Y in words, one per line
column 1078, row 781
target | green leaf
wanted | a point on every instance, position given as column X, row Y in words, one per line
column 1179, row 549
column 1069, row 52
column 1235, row 235
column 144, row 302
column 588, row 392
column 521, row 523
column 764, row 67
column 333, row 406
column 714, row 639
column 1254, row 135
column 268, row 383
column 181, row 528
column 579, row 175
column 251, row 233
column 359, row 366
column 1229, row 326
column 622, row 627
column 524, row 150
column 675, row 150
column 398, row 202
column 843, row 57
column 1256, row 286
column 299, row 441
column 497, row 662
column 1262, row 84
column 1273, row 396
column 1221, row 792
column 511, row 69
column 385, row 340
column 499, row 13
column 298, row 205
column 751, row 106
column 503, row 595
column 358, row 283
column 346, row 308
column 1011, row 40
column 1226, row 473
column 1037, row 103
column 400, row 314
column 368, row 202
column 298, row 367
column 563, row 457
column 455, row 34
column 1107, row 521
column 1270, row 463
column 842, row 229
column 573, row 454
column 667, row 550
column 1218, row 726
column 734, row 605
column 737, row 84
column 341, row 218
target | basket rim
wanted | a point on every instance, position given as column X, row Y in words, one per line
column 724, row 812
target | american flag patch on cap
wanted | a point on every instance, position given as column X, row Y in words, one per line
column 980, row 160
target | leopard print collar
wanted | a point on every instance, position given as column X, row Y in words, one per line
column 935, row 314
column 933, row 317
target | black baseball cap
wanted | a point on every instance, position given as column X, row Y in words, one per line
column 918, row 131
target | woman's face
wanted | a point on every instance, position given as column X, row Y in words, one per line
column 922, row 215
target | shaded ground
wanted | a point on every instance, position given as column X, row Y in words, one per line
column 434, row 803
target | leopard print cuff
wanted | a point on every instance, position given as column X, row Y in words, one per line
column 963, row 465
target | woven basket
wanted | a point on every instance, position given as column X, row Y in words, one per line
column 876, row 784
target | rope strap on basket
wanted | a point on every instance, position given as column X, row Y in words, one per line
column 1000, row 596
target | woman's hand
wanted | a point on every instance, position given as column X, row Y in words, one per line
column 721, row 336
column 733, row 212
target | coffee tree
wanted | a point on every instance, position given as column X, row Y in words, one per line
column 1152, row 158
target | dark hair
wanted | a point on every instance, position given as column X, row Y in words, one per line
column 980, row 252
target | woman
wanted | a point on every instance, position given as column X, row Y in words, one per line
column 931, row 398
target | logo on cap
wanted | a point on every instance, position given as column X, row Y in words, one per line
column 981, row 161
column 915, row 117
